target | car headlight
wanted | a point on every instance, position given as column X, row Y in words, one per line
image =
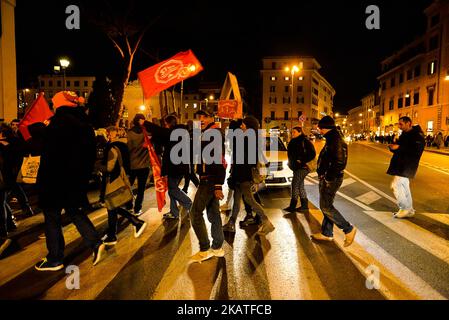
column 285, row 164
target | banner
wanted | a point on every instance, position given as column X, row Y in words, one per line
column 228, row 109
column 39, row 112
column 160, row 183
column 168, row 73
column 231, row 87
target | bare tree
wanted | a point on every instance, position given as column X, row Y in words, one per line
column 125, row 24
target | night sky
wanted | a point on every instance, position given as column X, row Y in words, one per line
column 230, row 36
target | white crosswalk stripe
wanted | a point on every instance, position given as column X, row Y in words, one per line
column 369, row 198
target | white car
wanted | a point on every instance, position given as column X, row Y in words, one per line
column 279, row 174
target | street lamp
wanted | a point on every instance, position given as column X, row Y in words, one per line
column 294, row 69
column 64, row 65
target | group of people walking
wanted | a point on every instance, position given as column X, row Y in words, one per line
column 68, row 153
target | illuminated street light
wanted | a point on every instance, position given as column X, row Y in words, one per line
column 142, row 108
column 64, row 65
column 294, row 69
column 361, row 115
column 211, row 97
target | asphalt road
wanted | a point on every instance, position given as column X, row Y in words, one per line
column 410, row 256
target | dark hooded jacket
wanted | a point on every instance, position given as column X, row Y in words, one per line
column 67, row 160
column 333, row 157
column 405, row 160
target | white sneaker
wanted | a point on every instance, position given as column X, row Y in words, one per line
column 202, row 256
column 219, row 253
column 401, row 214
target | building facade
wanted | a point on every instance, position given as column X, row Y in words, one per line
column 355, row 121
column 52, row 84
column 8, row 73
column 415, row 80
column 371, row 119
column 287, row 95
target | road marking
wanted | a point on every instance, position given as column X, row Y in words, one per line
column 428, row 241
column 347, row 182
column 369, row 198
column 440, row 217
column 397, row 281
column 366, row 184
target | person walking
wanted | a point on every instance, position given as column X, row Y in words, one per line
column 331, row 165
column 242, row 178
column 139, row 159
column 300, row 152
column 439, row 140
column 174, row 172
column 209, row 194
column 113, row 169
column 404, row 165
column 190, row 176
column 66, row 165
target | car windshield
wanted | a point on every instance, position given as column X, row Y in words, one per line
column 278, row 145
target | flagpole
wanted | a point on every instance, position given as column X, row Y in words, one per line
column 182, row 97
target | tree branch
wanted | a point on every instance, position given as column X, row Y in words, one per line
column 142, row 34
column 116, row 46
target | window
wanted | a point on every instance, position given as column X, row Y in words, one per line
column 434, row 20
column 417, row 71
column 430, row 126
column 400, row 101
column 50, row 94
column 42, row 83
column 59, row 83
column 273, row 65
column 287, row 78
column 287, row 89
column 286, row 100
column 391, row 107
column 431, row 68
column 50, row 83
column 300, row 78
column 273, row 115
column 299, row 114
column 315, row 91
column 77, row 84
column 408, row 99
column 186, row 116
column 68, row 83
column 86, row 84
column 315, row 81
column 300, row 89
column 314, row 101
column 393, row 82
column 285, row 115
column 401, row 78
column 416, row 98
column 433, row 43
column 300, row 100
column 430, row 93
column 409, row 74
column 273, row 100
column 272, row 89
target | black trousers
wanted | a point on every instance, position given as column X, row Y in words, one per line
column 5, row 214
column 113, row 218
column 17, row 191
column 55, row 237
column 142, row 177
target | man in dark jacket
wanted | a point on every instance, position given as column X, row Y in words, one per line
column 331, row 165
column 175, row 172
column 209, row 194
column 66, row 165
column 404, row 164
column 139, row 159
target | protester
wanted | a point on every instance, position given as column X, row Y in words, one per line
column 174, row 172
column 300, row 152
column 404, row 164
column 242, row 178
column 7, row 179
column 66, row 165
column 446, row 141
column 113, row 169
column 208, row 196
column 331, row 165
column 190, row 176
column 439, row 140
column 140, row 160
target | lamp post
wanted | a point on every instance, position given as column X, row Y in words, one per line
column 294, row 69
column 64, row 65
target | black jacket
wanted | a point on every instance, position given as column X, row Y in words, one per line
column 215, row 173
column 405, row 160
column 8, row 176
column 163, row 136
column 298, row 151
column 334, row 156
column 67, row 160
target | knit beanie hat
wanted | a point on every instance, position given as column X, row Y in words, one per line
column 251, row 123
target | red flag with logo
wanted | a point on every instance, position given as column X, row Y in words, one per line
column 160, row 183
column 169, row 72
column 39, row 112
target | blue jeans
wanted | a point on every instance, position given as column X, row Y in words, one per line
column 177, row 195
column 332, row 216
column 205, row 199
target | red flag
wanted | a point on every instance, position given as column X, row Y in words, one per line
column 160, row 183
column 39, row 112
column 168, row 73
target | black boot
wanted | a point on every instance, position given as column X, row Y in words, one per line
column 292, row 207
column 304, row 205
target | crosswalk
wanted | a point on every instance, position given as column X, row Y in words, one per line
column 410, row 257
